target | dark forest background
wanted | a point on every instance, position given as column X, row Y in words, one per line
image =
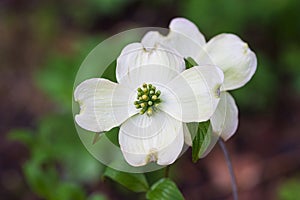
column 42, row 44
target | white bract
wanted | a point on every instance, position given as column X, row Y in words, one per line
column 154, row 97
column 227, row 51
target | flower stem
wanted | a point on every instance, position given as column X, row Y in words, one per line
column 167, row 169
column 230, row 169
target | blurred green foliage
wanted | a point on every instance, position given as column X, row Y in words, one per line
column 218, row 16
column 59, row 164
column 57, row 77
column 289, row 189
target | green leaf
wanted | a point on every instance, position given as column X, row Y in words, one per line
column 164, row 189
column 113, row 135
column 110, row 72
column 40, row 180
column 190, row 62
column 44, row 180
column 154, row 176
column 134, row 182
column 22, row 135
column 201, row 140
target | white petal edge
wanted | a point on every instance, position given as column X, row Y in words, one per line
column 158, row 75
column 234, row 57
column 103, row 104
column 193, row 95
column 184, row 36
column 225, row 119
column 135, row 55
column 145, row 139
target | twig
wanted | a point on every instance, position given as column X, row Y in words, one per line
column 230, row 169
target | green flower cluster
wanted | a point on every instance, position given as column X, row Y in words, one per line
column 147, row 99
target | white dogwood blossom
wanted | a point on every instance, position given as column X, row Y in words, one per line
column 227, row 51
column 152, row 100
